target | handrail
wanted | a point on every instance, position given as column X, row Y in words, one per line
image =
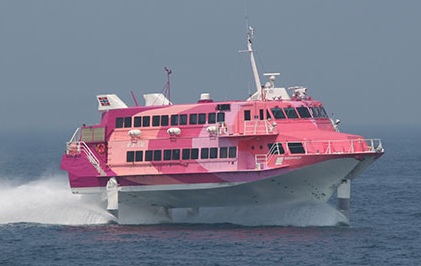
column 81, row 146
column 328, row 146
column 253, row 127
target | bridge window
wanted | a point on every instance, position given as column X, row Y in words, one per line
column 174, row 120
column 167, row 155
column 204, row 153
column 176, row 154
column 278, row 113
column 130, row 156
column 193, row 119
column 202, row 119
column 296, row 147
column 324, row 113
column 138, row 121
column 148, row 156
column 223, row 152
column 261, row 114
column 233, row 152
column 223, row 107
column 164, row 120
column 303, row 111
column 186, row 154
column 139, row 156
column 221, row 117
column 213, row 153
column 128, row 121
column 155, row 120
column 211, row 118
column 194, row 154
column 157, row 155
column 183, row 119
column 290, row 112
column 276, row 148
column 119, row 122
column 247, row 116
column 146, row 121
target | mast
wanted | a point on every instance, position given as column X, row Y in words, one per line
column 250, row 36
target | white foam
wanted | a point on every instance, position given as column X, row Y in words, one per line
column 49, row 201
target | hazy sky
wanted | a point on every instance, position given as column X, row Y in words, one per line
column 361, row 58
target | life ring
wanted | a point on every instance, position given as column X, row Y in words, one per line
column 101, row 148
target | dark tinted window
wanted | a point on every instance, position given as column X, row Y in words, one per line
column 138, row 121
column 303, row 111
column 139, row 156
column 193, row 119
column 278, row 113
column 223, row 152
column 277, row 149
column 324, row 113
column 213, row 153
column 233, row 152
column 291, row 113
column 164, row 120
column 316, row 112
column 247, row 116
column 211, row 118
column 176, row 154
column 202, row 119
column 167, row 155
column 268, row 115
column 155, row 120
column 157, row 155
column 148, row 156
column 186, row 154
column 146, row 121
column 194, row 154
column 221, row 117
column 128, row 121
column 174, row 120
column 261, row 114
column 119, row 122
column 183, row 119
column 296, row 147
column 204, row 153
column 130, row 156
column 223, row 107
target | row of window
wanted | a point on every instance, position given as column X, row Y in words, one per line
column 166, row 120
column 278, row 148
column 186, row 154
column 303, row 112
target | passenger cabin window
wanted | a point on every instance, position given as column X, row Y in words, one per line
column 233, row 152
column 186, row 154
column 213, row 153
column 174, row 120
column 290, row 112
column 128, row 121
column 193, row 119
column 167, row 155
column 247, row 116
column 146, row 121
column 119, row 122
column 139, row 156
column 183, row 120
column 157, row 155
column 223, row 152
column 204, row 153
column 137, row 121
column 148, row 156
column 276, row 148
column 130, row 156
column 202, row 119
column 164, row 120
column 176, row 154
column 278, row 113
column 296, row 147
column 194, row 154
column 211, row 118
column 261, row 114
column 223, row 107
column 221, row 117
column 155, row 120
column 303, row 111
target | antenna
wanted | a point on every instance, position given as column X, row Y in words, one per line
column 134, row 98
column 167, row 89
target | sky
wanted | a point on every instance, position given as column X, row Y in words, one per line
column 361, row 58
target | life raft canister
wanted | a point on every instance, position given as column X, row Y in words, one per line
column 101, row 148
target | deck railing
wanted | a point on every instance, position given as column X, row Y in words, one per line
column 257, row 127
column 313, row 147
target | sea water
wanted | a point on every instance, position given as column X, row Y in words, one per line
column 42, row 223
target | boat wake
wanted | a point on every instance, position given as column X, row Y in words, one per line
column 49, row 201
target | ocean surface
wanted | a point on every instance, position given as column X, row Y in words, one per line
column 42, row 223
